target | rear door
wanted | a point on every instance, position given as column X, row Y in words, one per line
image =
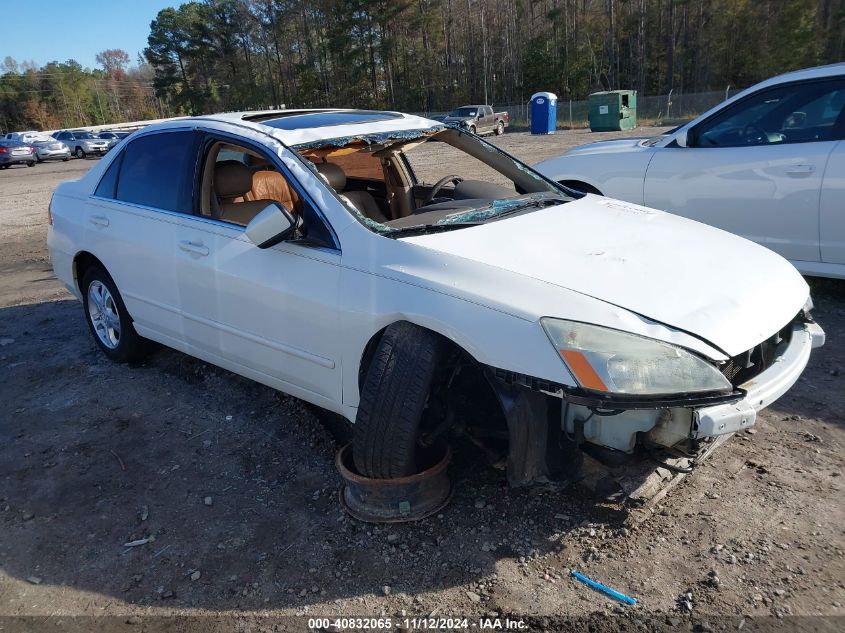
column 132, row 226
column 755, row 168
column 486, row 122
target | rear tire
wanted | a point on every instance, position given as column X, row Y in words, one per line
column 500, row 128
column 108, row 320
column 393, row 397
column 31, row 163
column 66, row 159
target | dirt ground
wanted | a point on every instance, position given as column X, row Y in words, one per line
column 234, row 484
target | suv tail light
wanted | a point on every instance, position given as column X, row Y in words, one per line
column 3, row 150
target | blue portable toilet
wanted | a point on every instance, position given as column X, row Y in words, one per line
column 543, row 113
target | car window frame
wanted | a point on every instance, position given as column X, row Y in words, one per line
column 695, row 131
column 214, row 135
column 120, row 157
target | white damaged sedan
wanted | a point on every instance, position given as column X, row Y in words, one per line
column 422, row 283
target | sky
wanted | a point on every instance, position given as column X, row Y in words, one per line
column 58, row 30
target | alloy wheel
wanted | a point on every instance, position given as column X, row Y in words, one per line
column 104, row 315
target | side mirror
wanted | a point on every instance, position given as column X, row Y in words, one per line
column 272, row 225
column 682, row 138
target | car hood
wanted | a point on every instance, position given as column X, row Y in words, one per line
column 716, row 286
column 609, row 147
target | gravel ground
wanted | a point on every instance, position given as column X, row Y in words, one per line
column 233, row 486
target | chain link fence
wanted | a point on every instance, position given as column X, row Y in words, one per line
column 655, row 110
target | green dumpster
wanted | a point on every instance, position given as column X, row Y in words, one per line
column 613, row 110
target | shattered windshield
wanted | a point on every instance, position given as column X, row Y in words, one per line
column 418, row 181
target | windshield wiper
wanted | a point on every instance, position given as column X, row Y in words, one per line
column 528, row 204
column 425, row 229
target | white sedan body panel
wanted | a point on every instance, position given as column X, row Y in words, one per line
column 600, row 166
column 686, row 272
column 832, row 208
column 138, row 247
column 785, row 196
column 768, row 194
column 298, row 318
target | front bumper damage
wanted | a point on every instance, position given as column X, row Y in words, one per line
column 763, row 389
column 615, row 430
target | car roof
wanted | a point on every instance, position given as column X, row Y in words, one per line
column 818, row 72
column 296, row 127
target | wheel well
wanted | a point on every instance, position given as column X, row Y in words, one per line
column 578, row 185
column 81, row 263
column 470, row 387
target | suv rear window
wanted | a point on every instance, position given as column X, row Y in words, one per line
column 157, row 171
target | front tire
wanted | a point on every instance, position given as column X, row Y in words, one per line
column 393, row 397
column 31, row 163
column 108, row 320
column 79, row 153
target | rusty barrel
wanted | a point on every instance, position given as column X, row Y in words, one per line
column 396, row 500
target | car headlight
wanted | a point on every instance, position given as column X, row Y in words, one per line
column 611, row 361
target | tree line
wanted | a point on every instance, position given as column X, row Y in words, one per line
column 429, row 55
column 422, row 55
column 65, row 95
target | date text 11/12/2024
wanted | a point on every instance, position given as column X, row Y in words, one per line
column 422, row 623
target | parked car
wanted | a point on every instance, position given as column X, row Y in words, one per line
column 301, row 249
column 29, row 136
column 767, row 164
column 51, row 150
column 479, row 119
column 16, row 153
column 82, row 143
column 113, row 138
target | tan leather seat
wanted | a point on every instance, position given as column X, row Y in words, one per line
column 271, row 185
column 361, row 200
column 232, row 181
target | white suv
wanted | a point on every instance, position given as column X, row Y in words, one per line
column 310, row 251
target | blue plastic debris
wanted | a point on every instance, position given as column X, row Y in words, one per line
column 603, row 588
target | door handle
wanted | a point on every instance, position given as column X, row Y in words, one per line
column 800, row 170
column 193, row 248
column 99, row 220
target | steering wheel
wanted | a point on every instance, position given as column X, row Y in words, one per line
column 755, row 135
column 439, row 185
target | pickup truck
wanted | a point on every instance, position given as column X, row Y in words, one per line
column 479, row 119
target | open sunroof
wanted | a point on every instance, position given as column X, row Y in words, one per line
column 304, row 120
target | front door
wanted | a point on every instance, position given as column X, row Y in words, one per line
column 267, row 313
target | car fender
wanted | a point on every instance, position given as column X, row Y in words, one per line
column 490, row 313
column 615, row 174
